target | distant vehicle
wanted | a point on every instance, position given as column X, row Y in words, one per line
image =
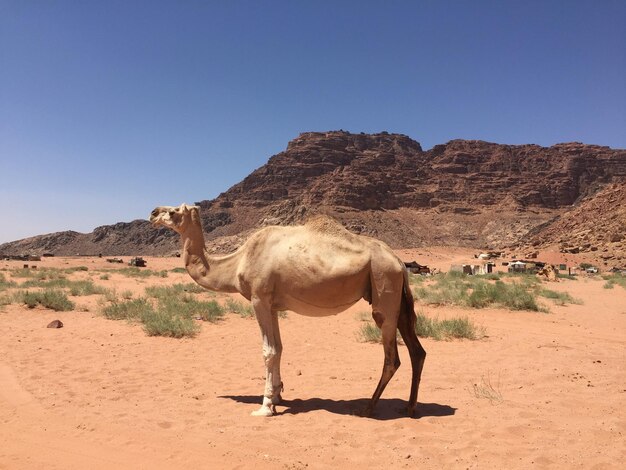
column 138, row 262
column 592, row 270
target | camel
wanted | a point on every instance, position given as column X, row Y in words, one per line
column 549, row 272
column 315, row 269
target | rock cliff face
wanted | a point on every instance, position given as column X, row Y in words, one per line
column 469, row 193
column 391, row 171
column 596, row 225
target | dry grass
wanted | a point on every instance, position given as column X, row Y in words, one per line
column 486, row 389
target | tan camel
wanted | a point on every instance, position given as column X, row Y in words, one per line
column 316, row 269
column 549, row 272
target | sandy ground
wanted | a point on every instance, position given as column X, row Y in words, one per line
column 101, row 394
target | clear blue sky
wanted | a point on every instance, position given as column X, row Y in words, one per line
column 109, row 108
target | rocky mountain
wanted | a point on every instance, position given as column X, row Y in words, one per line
column 464, row 193
column 597, row 224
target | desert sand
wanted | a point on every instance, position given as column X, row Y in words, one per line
column 541, row 389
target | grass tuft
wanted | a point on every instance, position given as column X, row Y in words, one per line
column 133, row 271
column 39, row 274
column 163, row 322
column 425, row 327
column 239, row 308
column 127, row 310
column 188, row 307
column 559, row 298
column 173, row 315
column 4, row 283
column 370, row 333
column 458, row 327
column 86, row 287
column 49, row 298
column 477, row 292
column 175, row 290
column 613, row 279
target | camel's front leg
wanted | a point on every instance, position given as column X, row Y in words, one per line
column 272, row 350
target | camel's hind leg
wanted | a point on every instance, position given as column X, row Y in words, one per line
column 392, row 361
column 406, row 325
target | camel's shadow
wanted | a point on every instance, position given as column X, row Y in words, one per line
column 386, row 408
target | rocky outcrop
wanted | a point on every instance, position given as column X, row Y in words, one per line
column 596, row 225
column 465, row 192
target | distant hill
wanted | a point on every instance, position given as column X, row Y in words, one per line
column 596, row 224
column 463, row 193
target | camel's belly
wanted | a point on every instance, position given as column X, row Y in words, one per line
column 312, row 307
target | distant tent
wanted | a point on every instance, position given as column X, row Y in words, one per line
column 517, row 267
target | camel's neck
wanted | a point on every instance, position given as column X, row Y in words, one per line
column 216, row 274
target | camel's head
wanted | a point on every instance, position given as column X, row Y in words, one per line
column 176, row 218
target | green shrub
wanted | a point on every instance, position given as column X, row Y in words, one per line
column 127, row 310
column 110, row 295
column 173, row 290
column 449, row 289
column 4, row 283
column 526, row 279
column 50, row 298
column 459, row 289
column 210, row 311
column 6, row 300
column 127, row 294
column 515, row 297
column 560, row 298
column 425, row 327
column 77, row 268
column 458, row 327
column 416, row 279
column 370, row 333
column 134, row 271
column 39, row 274
column 512, row 296
column 186, row 306
column 165, row 323
column 461, row 327
column 239, row 308
column 76, row 288
column 46, row 283
column 179, row 270
column 84, row 287
column 612, row 279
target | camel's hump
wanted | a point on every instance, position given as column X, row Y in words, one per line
column 327, row 225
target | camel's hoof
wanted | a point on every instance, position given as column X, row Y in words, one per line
column 264, row 411
column 277, row 400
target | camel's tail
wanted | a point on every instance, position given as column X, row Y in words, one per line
column 407, row 306
column 406, row 325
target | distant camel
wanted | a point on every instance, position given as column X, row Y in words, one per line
column 316, row 269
